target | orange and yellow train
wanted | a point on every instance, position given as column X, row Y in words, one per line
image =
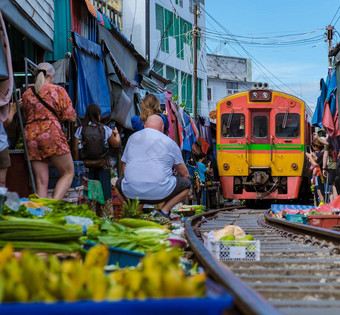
column 261, row 136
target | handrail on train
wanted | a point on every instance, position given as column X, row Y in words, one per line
column 271, row 147
column 246, row 148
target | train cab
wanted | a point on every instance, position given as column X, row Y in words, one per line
column 261, row 139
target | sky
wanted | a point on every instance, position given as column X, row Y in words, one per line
column 274, row 25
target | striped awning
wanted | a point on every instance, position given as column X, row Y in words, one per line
column 101, row 17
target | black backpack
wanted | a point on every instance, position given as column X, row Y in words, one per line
column 93, row 140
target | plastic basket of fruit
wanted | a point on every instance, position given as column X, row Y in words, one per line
column 229, row 247
column 236, row 250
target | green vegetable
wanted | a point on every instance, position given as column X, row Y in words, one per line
column 136, row 223
column 47, row 247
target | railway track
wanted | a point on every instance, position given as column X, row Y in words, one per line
column 298, row 271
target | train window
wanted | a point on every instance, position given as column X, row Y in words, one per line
column 232, row 125
column 260, row 127
column 287, row 125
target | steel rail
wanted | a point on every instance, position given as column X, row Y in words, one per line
column 299, row 228
column 247, row 301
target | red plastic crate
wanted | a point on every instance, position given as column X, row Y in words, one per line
column 323, row 221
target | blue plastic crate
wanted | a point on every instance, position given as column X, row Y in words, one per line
column 77, row 181
column 300, row 218
column 216, row 302
column 124, row 258
column 78, row 169
column 170, row 306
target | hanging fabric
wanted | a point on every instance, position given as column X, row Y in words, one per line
column 6, row 85
column 318, row 113
column 90, row 78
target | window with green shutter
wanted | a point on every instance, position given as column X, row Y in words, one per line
column 172, row 74
column 158, row 68
column 186, row 80
column 159, row 18
column 170, row 25
column 199, row 95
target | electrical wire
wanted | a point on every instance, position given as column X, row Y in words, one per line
column 252, row 57
column 335, row 16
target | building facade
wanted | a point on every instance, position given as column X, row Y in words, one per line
column 226, row 76
column 162, row 32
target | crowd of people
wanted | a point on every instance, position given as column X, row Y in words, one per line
column 153, row 167
column 324, row 159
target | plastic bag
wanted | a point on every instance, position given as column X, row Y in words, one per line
column 95, row 191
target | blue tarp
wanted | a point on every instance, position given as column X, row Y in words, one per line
column 91, row 80
column 277, row 208
column 317, row 117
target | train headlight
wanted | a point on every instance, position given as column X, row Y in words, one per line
column 265, row 95
column 255, row 95
column 226, row 166
column 294, row 166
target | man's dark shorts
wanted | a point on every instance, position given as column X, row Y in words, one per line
column 182, row 184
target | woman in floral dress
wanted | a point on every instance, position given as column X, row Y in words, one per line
column 45, row 138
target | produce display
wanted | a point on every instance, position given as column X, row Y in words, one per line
column 31, row 278
column 38, row 235
column 190, row 209
column 135, row 235
column 62, row 208
column 22, row 212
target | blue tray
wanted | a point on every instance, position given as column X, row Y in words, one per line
column 170, row 306
column 54, row 175
column 124, row 258
column 300, row 218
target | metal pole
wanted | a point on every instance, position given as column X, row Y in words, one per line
column 195, row 60
column 329, row 38
column 24, row 139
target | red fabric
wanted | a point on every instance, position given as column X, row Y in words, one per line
column 327, row 119
column 75, row 16
column 332, row 124
column 204, row 145
column 335, row 203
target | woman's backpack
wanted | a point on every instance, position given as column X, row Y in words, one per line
column 94, row 144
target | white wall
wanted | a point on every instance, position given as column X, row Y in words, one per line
column 41, row 12
column 223, row 69
column 134, row 24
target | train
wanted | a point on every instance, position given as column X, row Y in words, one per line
column 261, row 139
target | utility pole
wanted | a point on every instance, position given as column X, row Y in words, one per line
column 195, row 34
column 329, row 38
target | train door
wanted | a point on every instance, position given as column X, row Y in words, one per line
column 259, row 148
column 260, row 127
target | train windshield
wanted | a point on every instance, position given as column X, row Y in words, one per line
column 232, row 125
column 287, row 125
column 260, row 127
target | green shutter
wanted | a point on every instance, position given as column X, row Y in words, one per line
column 172, row 74
column 199, row 94
column 159, row 18
column 189, row 94
column 158, row 68
column 187, row 91
column 172, row 26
